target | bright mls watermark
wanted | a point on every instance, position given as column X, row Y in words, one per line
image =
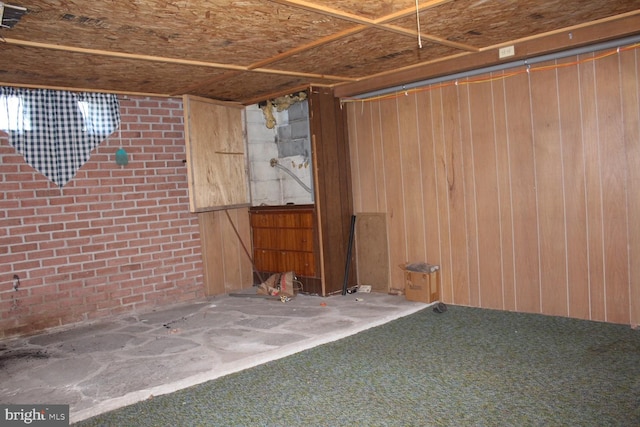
column 34, row 415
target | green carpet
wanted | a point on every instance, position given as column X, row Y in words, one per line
column 465, row 367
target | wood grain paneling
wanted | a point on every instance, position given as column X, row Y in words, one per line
column 629, row 65
column 226, row 266
column 216, row 158
column 575, row 192
column 522, row 185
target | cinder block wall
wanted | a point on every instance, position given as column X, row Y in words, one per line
column 289, row 143
column 114, row 240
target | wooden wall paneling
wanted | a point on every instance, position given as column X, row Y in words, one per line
column 630, row 64
column 487, row 194
column 549, row 184
column 394, row 190
column 226, row 266
column 238, row 268
column 465, row 273
column 367, row 165
column 212, row 261
column 549, row 170
column 614, row 183
column 357, row 139
column 458, row 144
column 525, row 226
column 593, row 189
column 574, row 190
column 373, row 250
column 411, row 172
column 429, row 182
column 442, row 115
column 379, row 159
column 503, row 168
column 333, row 199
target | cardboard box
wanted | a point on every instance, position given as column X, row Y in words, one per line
column 422, row 286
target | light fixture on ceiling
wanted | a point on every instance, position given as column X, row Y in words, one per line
column 10, row 15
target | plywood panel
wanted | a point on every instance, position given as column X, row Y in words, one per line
column 216, row 158
column 574, row 195
column 458, row 142
column 226, row 265
column 549, row 181
column 630, row 64
column 356, row 133
column 503, row 170
column 212, row 251
column 365, row 167
column 465, row 238
column 487, row 194
column 428, row 180
column 614, row 196
column 444, row 107
column 393, row 190
column 411, row 168
column 525, row 222
column 593, row 189
column 372, row 251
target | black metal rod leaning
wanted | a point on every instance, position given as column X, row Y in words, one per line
column 348, row 263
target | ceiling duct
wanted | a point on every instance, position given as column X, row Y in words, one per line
column 10, row 15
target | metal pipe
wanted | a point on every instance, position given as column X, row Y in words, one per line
column 274, row 164
column 500, row 67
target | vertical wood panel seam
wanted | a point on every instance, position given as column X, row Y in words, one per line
column 355, row 156
column 495, row 152
column 382, row 168
column 435, row 176
column 535, row 185
column 601, row 202
column 424, row 226
column 475, row 199
column 585, row 189
column 634, row 321
column 464, row 194
column 402, row 192
column 626, row 181
column 446, row 175
column 564, row 197
column 513, row 240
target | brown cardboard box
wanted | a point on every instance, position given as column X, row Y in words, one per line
column 422, row 286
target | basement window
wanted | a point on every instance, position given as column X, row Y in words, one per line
column 54, row 130
column 13, row 116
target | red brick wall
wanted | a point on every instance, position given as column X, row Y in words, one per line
column 115, row 239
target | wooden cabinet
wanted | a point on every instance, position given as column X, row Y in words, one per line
column 283, row 240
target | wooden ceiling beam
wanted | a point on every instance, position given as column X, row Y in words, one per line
column 381, row 23
column 151, row 58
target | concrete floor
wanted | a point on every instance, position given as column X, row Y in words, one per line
column 102, row 366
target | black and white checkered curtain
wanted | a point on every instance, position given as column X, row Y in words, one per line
column 56, row 130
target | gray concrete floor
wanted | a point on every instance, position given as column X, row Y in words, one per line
column 102, row 366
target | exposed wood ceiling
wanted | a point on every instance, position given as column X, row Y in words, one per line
column 251, row 50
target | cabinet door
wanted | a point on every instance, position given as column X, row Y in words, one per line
column 216, row 161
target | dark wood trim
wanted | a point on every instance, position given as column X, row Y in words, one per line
column 333, row 198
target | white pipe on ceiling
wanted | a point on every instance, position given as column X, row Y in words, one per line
column 522, row 62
